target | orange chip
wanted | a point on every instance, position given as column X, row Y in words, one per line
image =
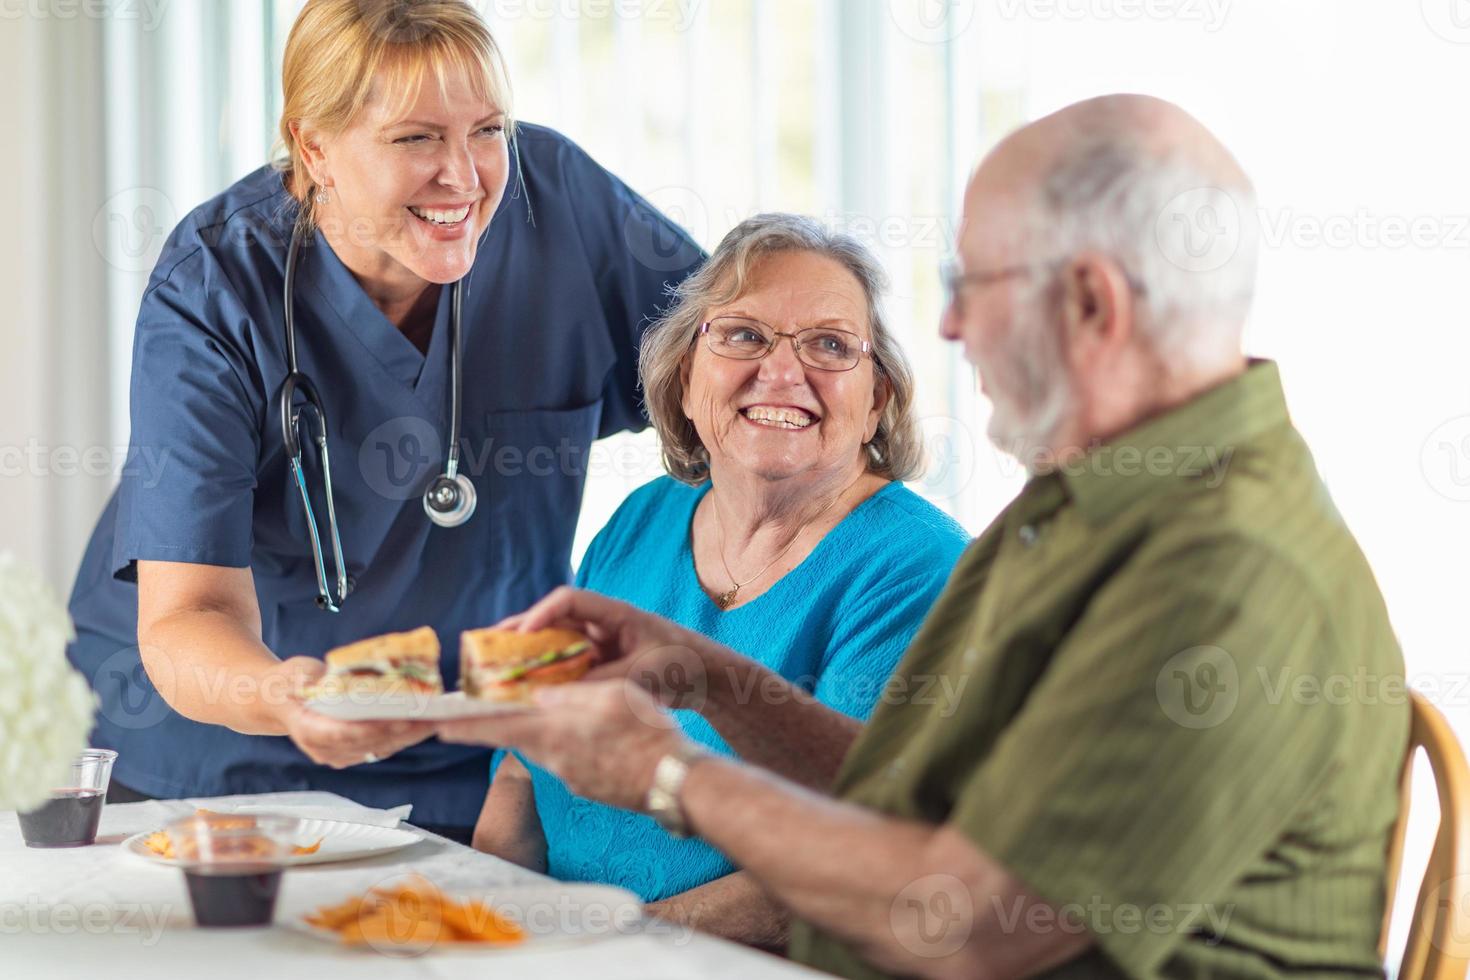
column 414, row 915
column 158, row 842
column 476, row 922
column 301, row 849
column 225, row 821
column 390, row 927
column 334, row 917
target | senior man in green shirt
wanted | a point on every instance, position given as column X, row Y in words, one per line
column 1149, row 729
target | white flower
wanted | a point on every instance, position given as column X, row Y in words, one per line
column 45, row 706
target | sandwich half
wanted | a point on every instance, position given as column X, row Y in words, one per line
column 394, row 663
column 504, row 665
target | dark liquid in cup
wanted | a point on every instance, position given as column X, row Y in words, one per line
column 68, row 819
column 236, row 895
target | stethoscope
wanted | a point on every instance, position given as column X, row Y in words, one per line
column 450, row 499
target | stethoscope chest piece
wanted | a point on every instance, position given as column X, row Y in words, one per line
column 450, row 500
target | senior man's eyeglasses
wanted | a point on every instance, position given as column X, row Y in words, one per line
column 956, row 282
column 824, row 348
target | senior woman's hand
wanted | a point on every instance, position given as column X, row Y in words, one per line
column 603, row 738
column 675, row 665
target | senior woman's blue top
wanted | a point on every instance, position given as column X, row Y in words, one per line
column 836, row 626
column 569, row 273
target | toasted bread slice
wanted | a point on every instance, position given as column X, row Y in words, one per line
column 394, row 663
column 507, row 666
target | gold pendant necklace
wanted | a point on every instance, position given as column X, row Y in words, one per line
column 727, row 598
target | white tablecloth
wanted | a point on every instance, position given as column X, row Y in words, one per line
column 100, row 914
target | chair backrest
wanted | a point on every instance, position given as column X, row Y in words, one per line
column 1438, row 947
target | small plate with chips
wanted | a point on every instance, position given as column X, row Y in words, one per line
column 317, row 841
column 410, row 915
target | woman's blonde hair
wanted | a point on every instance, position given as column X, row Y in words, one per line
column 896, row 450
column 337, row 48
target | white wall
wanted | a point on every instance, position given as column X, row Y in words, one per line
column 56, row 456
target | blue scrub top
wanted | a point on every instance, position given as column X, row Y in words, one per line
column 572, row 268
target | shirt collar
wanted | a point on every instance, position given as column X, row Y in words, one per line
column 342, row 299
column 1195, row 441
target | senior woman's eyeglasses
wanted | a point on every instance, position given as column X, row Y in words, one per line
column 823, row 348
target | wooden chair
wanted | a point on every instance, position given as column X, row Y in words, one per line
column 1438, row 947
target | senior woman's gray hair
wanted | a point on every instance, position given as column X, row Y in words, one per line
column 896, row 449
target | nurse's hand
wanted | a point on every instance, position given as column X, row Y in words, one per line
column 680, row 668
column 339, row 744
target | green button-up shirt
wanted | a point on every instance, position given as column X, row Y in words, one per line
column 1162, row 690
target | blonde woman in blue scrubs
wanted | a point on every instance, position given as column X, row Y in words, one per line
column 196, row 604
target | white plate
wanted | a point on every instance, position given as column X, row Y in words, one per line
column 341, row 841
column 400, row 707
column 551, row 914
column 296, row 811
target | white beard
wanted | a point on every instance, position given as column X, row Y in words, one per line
column 1030, row 392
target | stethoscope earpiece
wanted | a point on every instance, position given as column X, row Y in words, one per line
column 450, row 500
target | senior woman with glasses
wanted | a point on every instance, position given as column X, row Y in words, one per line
column 785, row 410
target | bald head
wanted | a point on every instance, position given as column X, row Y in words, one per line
column 1144, row 124
column 1143, row 182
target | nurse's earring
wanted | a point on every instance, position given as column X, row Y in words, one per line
column 323, row 197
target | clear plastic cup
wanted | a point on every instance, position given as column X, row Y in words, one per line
column 69, row 818
column 232, row 865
